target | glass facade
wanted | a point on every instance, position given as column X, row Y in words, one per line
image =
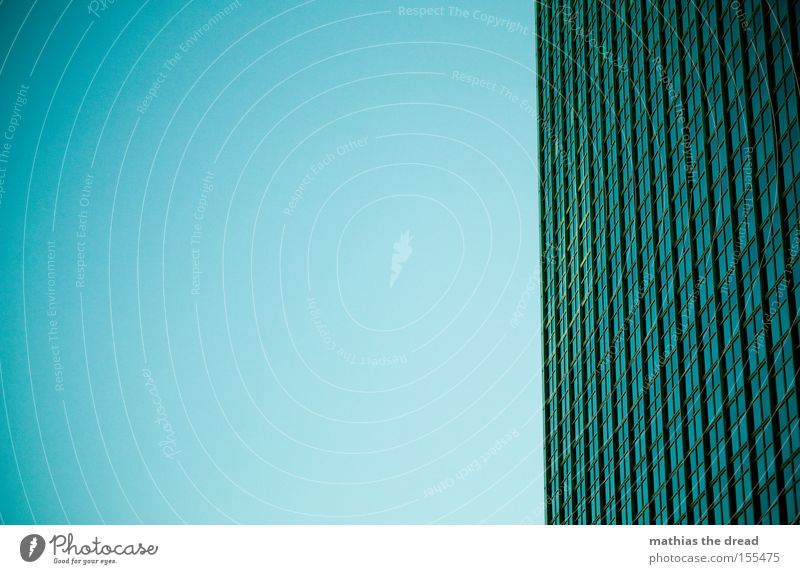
column 670, row 162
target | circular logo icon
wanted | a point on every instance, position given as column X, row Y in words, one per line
column 31, row 547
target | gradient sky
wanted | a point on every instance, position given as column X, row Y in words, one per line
column 269, row 262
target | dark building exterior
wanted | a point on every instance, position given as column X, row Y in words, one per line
column 670, row 161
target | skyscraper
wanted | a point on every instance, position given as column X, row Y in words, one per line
column 670, row 161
